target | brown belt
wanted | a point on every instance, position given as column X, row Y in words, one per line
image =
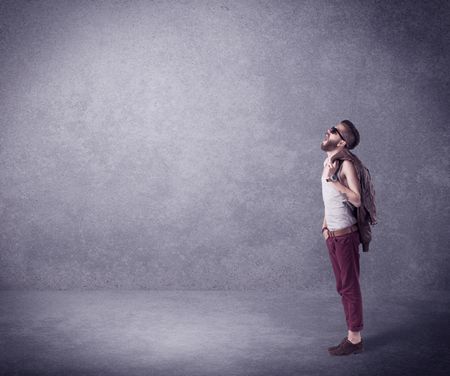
column 343, row 231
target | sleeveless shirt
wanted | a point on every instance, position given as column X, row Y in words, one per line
column 338, row 213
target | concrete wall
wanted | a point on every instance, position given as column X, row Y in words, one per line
column 175, row 144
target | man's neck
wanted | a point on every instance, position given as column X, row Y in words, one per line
column 331, row 153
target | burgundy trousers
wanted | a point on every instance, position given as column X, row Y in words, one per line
column 344, row 256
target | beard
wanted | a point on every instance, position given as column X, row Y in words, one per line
column 328, row 145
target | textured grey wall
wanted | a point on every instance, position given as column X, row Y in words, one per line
column 175, row 144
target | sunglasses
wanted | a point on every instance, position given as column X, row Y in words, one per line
column 334, row 130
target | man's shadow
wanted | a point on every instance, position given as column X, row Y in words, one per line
column 418, row 346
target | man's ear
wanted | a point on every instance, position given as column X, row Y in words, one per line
column 342, row 144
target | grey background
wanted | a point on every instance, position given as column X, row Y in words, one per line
column 175, row 145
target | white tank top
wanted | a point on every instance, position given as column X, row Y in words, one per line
column 338, row 212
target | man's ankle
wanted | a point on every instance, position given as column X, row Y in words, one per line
column 354, row 337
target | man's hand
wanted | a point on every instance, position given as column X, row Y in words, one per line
column 330, row 168
column 325, row 234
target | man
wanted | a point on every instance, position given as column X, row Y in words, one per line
column 341, row 191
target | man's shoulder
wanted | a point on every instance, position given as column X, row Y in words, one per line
column 347, row 166
column 347, row 163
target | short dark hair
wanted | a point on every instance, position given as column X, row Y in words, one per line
column 351, row 134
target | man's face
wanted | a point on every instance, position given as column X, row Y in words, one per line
column 332, row 140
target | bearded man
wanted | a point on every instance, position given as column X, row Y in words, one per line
column 341, row 191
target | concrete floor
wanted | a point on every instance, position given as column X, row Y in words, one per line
column 217, row 333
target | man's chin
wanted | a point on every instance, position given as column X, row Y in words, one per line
column 328, row 145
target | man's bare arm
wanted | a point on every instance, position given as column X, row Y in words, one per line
column 352, row 191
column 324, row 224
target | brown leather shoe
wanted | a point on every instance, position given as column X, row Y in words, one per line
column 347, row 348
column 335, row 347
